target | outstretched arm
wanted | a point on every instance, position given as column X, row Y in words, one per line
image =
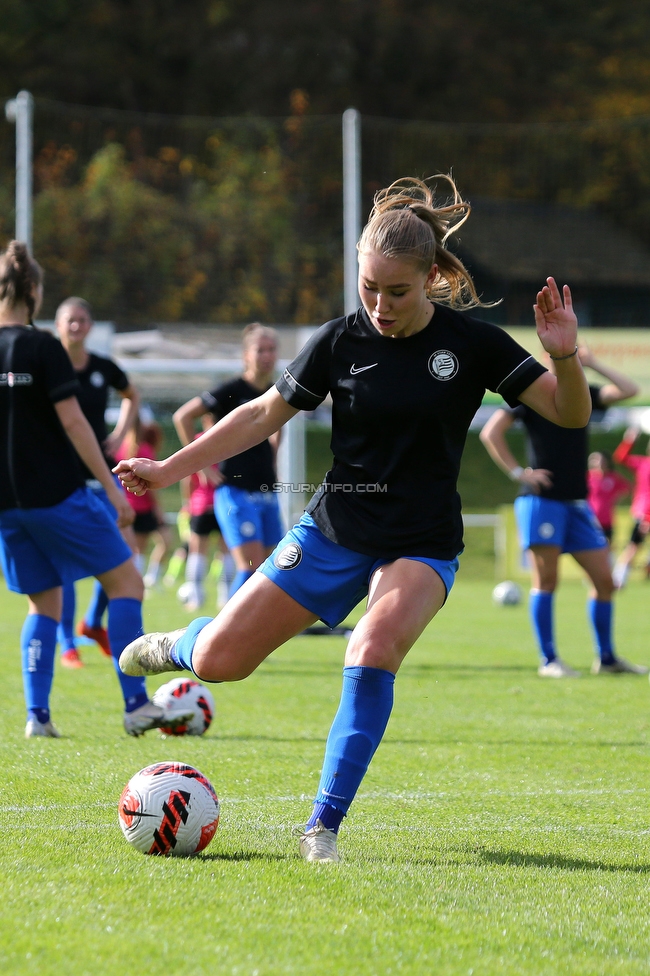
column 561, row 396
column 244, row 427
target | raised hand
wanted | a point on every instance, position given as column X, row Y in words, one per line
column 557, row 325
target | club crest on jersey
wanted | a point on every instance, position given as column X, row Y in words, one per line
column 289, row 557
column 97, row 379
column 443, row 365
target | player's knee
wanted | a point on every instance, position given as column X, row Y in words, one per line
column 374, row 651
column 211, row 665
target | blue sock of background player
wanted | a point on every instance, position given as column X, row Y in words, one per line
column 65, row 630
column 600, row 613
column 124, row 625
column 38, row 648
column 240, row 578
column 540, row 606
column 358, row 726
column 97, row 606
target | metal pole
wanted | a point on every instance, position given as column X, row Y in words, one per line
column 351, row 206
column 21, row 111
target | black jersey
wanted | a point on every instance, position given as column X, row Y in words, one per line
column 401, row 411
column 562, row 450
column 96, row 380
column 254, row 467
column 39, row 467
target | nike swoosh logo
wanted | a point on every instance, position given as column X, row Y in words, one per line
column 360, row 369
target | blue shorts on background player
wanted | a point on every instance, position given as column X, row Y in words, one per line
column 553, row 517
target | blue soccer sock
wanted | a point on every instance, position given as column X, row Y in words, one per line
column 184, row 646
column 541, row 615
column 357, row 729
column 124, row 625
column 65, row 630
column 600, row 613
column 240, row 578
column 97, row 606
column 38, row 648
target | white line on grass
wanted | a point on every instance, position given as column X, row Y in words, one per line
column 414, row 796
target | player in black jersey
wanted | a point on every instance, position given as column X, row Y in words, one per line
column 44, row 501
column 247, row 511
column 97, row 376
column 553, row 517
column 406, row 374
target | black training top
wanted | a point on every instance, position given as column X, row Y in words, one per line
column 562, row 450
column 401, row 411
column 98, row 377
column 39, row 467
column 254, row 467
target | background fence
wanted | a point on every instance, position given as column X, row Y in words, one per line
column 163, row 218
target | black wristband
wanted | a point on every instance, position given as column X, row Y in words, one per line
column 568, row 356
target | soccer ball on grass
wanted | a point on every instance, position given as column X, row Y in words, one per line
column 507, row 594
column 192, row 696
column 169, row 809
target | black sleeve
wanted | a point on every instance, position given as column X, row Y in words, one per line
column 115, row 376
column 306, row 381
column 518, row 412
column 509, row 368
column 222, row 399
column 60, row 379
column 596, row 402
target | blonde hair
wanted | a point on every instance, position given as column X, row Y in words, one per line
column 20, row 276
column 256, row 331
column 74, row 302
column 407, row 222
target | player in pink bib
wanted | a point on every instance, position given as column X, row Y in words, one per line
column 604, row 488
column 640, row 464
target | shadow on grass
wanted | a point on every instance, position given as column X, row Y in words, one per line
column 267, row 738
column 245, row 856
column 408, row 670
column 556, row 861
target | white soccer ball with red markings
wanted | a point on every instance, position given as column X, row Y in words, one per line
column 169, row 809
column 191, row 696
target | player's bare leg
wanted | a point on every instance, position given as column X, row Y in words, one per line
column 255, row 621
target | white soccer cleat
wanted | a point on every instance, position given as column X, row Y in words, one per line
column 557, row 669
column 319, row 844
column 150, row 654
column 618, row 666
column 34, row 729
column 150, row 716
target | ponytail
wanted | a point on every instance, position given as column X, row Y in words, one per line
column 407, row 222
column 20, row 277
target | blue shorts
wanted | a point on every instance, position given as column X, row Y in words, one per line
column 100, row 494
column 546, row 522
column 327, row 578
column 41, row 548
column 247, row 516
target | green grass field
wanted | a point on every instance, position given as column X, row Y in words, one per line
column 503, row 827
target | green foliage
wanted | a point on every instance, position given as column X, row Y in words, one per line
column 133, row 247
column 502, row 826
